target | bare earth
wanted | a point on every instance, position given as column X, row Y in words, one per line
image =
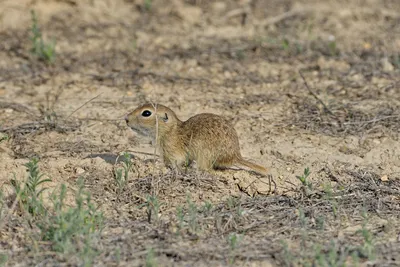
column 240, row 59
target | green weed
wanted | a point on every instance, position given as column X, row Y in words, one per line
column 68, row 230
column 334, row 257
column 329, row 196
column 148, row 4
column 2, row 204
column 239, row 54
column 122, row 175
column 396, row 61
column 367, row 249
column 307, row 185
column 303, row 178
column 233, row 242
column 207, row 208
column 285, row 44
column 193, row 219
column 29, row 192
column 180, row 215
column 72, row 230
column 150, row 259
column 288, row 256
column 3, row 259
column 3, row 138
column 43, row 51
column 332, row 46
column 152, row 205
column 234, row 204
column 320, row 223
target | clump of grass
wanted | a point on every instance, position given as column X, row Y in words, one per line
column 332, row 257
column 193, row 219
column 150, row 258
column 239, row 54
column 29, row 193
column 207, row 208
column 152, row 205
column 330, row 197
column 68, row 230
column 72, row 230
column 304, row 178
column 148, row 4
column 2, row 202
column 4, row 137
column 122, row 175
column 235, row 204
column 188, row 216
column 307, row 185
column 3, row 259
column 180, row 215
column 233, row 242
column 396, row 61
column 42, row 50
column 285, row 44
column 367, row 249
column 332, row 46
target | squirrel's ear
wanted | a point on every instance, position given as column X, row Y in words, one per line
column 165, row 118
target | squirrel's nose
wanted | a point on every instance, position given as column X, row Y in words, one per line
column 126, row 119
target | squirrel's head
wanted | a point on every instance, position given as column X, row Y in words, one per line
column 150, row 119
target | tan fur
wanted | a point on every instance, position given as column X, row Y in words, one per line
column 206, row 138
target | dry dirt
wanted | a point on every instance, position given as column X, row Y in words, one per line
column 241, row 59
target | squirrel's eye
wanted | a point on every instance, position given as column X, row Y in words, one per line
column 146, row 113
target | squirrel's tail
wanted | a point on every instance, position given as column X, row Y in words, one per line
column 254, row 167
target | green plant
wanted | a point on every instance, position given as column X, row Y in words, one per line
column 307, row 185
column 233, row 242
column 117, row 255
column 147, row 4
column 332, row 46
column 239, row 54
column 5, row 137
column 29, row 193
column 396, row 60
column 299, row 48
column 234, row 204
column 285, row 44
column 180, row 215
column 3, row 256
column 3, row 259
column 303, row 178
column 287, row 254
column 152, row 208
column 2, row 204
column 72, row 229
column 35, row 177
column 329, row 196
column 367, row 249
column 134, row 45
column 150, row 258
column 334, row 257
column 43, row 51
column 320, row 222
column 207, row 208
column 193, row 216
column 304, row 229
column 122, row 175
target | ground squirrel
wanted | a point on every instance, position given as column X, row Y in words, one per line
column 208, row 139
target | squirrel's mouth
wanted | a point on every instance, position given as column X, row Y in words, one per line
column 141, row 130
